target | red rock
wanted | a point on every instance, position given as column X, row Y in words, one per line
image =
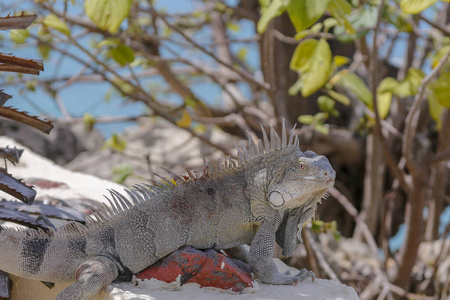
column 207, row 268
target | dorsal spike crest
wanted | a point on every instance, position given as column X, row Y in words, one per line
column 144, row 191
column 117, row 202
column 275, row 142
column 190, row 174
column 266, row 140
column 246, row 154
column 291, row 135
column 241, row 155
column 177, row 178
column 112, row 204
column 123, row 200
column 230, row 162
column 260, row 147
column 137, row 198
column 252, row 149
column 205, row 167
column 165, row 180
column 233, row 164
column 296, row 142
column 153, row 188
column 108, row 212
column 283, row 135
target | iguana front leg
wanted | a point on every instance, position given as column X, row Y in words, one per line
column 289, row 234
column 92, row 277
column 261, row 258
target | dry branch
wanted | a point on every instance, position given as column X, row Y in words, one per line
column 16, row 22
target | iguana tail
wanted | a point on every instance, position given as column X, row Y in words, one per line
column 34, row 254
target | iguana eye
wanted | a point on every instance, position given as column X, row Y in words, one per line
column 302, row 165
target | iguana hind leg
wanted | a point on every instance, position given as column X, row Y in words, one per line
column 92, row 277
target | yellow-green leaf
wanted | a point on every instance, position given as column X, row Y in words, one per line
column 19, row 35
column 439, row 55
column 339, row 97
column 312, row 59
column 108, row 14
column 415, row 6
column 384, row 95
column 306, row 119
column 356, row 85
column 56, row 23
column 275, row 8
column 435, row 109
column 441, row 89
column 185, row 120
column 121, row 172
column 116, row 143
column 340, row 60
column 388, row 84
column 339, row 9
column 409, row 85
column 122, row 54
column 88, row 121
column 304, row 13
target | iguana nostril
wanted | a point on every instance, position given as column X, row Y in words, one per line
column 326, row 173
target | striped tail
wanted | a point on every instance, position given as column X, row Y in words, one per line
column 34, row 254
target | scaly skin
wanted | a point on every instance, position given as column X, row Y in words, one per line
column 267, row 198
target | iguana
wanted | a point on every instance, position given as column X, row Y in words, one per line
column 264, row 198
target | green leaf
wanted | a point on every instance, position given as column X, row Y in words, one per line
column 441, row 89
column 44, row 51
column 436, row 110
column 415, row 6
column 108, row 14
column 321, row 128
column 329, row 23
column 108, row 42
column 304, row 13
column 364, row 17
column 312, row 59
column 409, row 85
column 295, row 88
column 388, row 84
column 326, row 104
column 276, row 8
column 116, row 143
column 123, row 87
column 339, row 9
column 56, row 23
column 122, row 54
column 439, row 55
column 384, row 95
column 339, row 97
column 340, row 60
column 121, row 172
column 88, row 121
column 185, row 121
column 18, row 36
column 306, row 119
column 357, row 86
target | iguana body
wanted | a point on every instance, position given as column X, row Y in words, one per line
column 272, row 192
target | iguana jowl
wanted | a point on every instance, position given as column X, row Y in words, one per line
column 265, row 198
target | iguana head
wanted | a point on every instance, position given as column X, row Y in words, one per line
column 303, row 180
column 292, row 178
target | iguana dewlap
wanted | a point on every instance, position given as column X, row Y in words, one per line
column 265, row 198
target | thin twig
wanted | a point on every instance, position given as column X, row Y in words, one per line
column 390, row 160
column 413, row 117
column 247, row 77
